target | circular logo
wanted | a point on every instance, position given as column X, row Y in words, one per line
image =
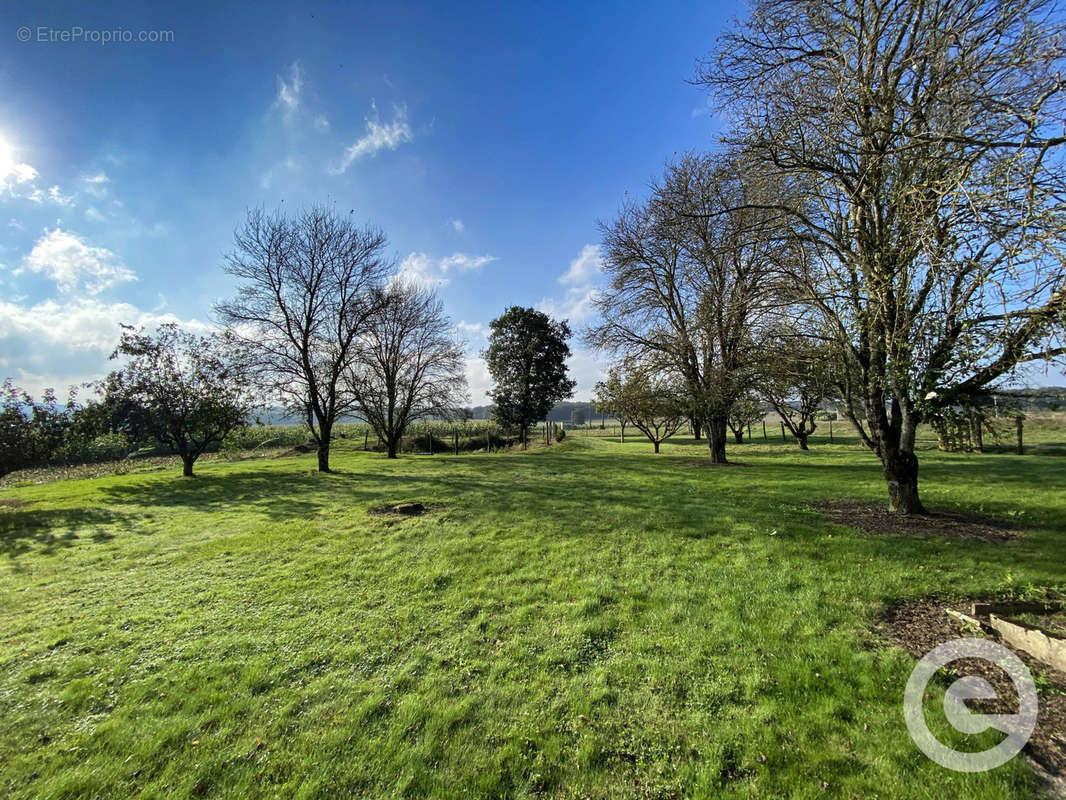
column 1018, row 727
column 23, row 34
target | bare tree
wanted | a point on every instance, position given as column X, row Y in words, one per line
column 689, row 283
column 309, row 286
column 921, row 143
column 408, row 365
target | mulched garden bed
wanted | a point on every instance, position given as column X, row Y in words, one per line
column 875, row 518
column 919, row 627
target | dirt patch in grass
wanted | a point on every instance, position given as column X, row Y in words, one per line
column 11, row 503
column 875, row 518
column 408, row 508
column 919, row 627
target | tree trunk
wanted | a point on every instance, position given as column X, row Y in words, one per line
column 325, row 433
column 391, row 447
column 739, row 436
column 695, row 428
column 802, row 439
column 901, row 474
column 623, row 436
column 656, row 446
column 716, row 436
column 976, row 434
column 187, row 460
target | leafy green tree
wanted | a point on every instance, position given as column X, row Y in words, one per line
column 609, row 399
column 655, row 403
column 800, row 372
column 31, row 431
column 527, row 360
column 745, row 412
column 193, row 389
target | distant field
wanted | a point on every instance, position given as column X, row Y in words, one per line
column 589, row 620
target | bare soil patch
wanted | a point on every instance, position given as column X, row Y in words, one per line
column 919, row 627
column 875, row 518
column 408, row 508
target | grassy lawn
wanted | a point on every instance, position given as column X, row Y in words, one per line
column 585, row 621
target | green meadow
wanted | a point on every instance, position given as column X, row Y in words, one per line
column 588, row 620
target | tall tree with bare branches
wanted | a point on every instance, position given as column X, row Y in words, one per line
column 690, row 281
column 308, row 286
column 921, row 142
column 408, row 365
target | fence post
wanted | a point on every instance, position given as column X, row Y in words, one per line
column 783, row 439
column 1018, row 421
column 830, row 431
column 455, row 437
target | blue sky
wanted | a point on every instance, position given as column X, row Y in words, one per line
column 486, row 140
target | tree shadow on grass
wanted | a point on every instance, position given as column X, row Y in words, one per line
column 276, row 495
column 46, row 531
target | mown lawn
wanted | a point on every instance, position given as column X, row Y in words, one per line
column 586, row 621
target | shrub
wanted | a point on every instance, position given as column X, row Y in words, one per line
column 560, row 434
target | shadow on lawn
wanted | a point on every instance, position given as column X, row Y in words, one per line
column 278, row 495
column 45, row 531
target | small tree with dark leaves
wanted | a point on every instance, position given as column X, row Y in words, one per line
column 194, row 390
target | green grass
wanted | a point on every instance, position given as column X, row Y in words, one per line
column 586, row 621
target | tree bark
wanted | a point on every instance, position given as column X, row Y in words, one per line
column 977, row 437
column 802, row 439
column 656, row 446
column 325, row 433
column 391, row 450
column 716, row 437
column 901, row 474
column 187, row 460
column 739, row 436
column 695, row 428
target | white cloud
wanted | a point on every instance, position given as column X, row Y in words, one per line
column 289, row 165
column 457, row 225
column 73, row 264
column 478, row 380
column 321, row 122
column 580, row 279
column 60, row 343
column 424, row 270
column 472, row 331
column 587, row 368
column 288, row 97
column 585, row 268
column 55, row 194
column 13, row 172
column 576, row 306
column 379, row 136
